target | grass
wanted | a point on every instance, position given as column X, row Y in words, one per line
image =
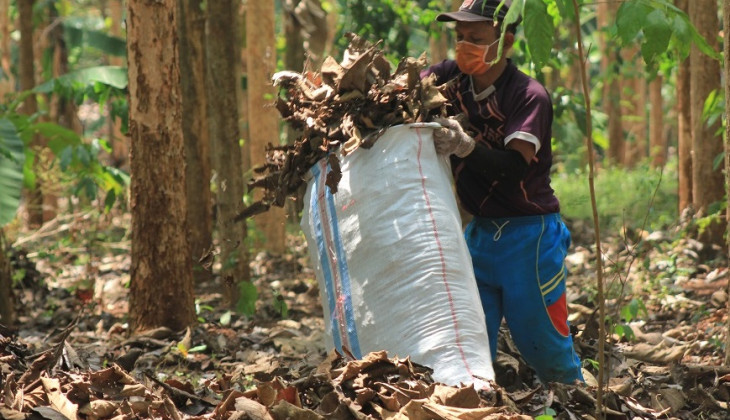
column 624, row 197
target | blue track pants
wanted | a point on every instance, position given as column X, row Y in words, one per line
column 519, row 263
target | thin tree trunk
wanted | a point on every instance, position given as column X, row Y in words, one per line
column 708, row 182
column 221, row 84
column 7, row 82
column 684, row 130
column 657, row 140
column 161, row 290
column 119, row 142
column 7, row 300
column 726, row 30
column 26, row 68
column 263, row 123
column 191, row 24
column 611, row 90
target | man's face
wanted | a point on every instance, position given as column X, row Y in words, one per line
column 480, row 33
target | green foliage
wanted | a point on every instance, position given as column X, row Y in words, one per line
column 624, row 197
column 79, row 36
column 248, row 296
column 539, row 31
column 12, row 158
column 658, row 25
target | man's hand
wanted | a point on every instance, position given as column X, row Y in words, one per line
column 451, row 139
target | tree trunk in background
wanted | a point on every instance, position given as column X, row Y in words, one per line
column 161, row 289
column 7, row 299
column 221, row 84
column 657, row 139
column 684, row 129
column 294, row 55
column 7, row 82
column 242, row 94
column 118, row 141
column 191, row 25
column 611, row 89
column 708, row 182
column 26, row 69
column 263, row 121
column 439, row 47
column 726, row 47
column 633, row 106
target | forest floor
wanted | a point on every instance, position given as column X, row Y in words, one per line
column 71, row 354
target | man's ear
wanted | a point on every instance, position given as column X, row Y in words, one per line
column 509, row 40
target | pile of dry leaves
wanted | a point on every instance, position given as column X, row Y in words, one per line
column 340, row 108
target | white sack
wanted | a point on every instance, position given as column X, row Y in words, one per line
column 393, row 268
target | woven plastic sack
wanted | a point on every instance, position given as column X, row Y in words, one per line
column 393, row 268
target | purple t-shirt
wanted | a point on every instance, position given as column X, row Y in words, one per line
column 519, row 107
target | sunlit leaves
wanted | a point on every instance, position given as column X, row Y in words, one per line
column 658, row 26
column 539, row 31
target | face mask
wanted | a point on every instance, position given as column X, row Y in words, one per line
column 472, row 58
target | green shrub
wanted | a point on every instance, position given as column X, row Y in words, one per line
column 624, row 197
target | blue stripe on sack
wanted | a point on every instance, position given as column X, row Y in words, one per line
column 323, row 259
column 344, row 278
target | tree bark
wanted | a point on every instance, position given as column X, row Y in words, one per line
column 684, row 129
column 7, row 82
column 221, row 84
column 191, row 24
column 26, row 68
column 7, row 300
column 161, row 290
column 263, row 122
column 726, row 47
column 632, row 87
column 657, row 140
column 611, row 90
column 118, row 141
column 707, row 182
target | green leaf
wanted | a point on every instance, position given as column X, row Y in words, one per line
column 247, row 300
column 657, row 33
column 11, row 170
column 630, row 18
column 539, row 31
column 682, row 35
column 566, row 9
column 82, row 37
column 109, row 75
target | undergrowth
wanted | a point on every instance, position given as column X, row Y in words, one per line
column 625, row 198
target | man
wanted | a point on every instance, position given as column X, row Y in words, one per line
column 501, row 162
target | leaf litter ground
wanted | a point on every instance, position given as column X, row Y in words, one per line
column 72, row 355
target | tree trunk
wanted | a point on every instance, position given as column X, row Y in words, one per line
column 708, row 182
column 263, row 122
column 726, row 46
column 161, row 290
column 26, row 69
column 633, row 100
column 611, row 90
column 7, row 300
column 657, row 140
column 191, row 25
column 222, row 83
column 684, row 130
column 7, row 82
column 117, row 140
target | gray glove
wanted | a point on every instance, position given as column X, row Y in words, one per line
column 451, row 139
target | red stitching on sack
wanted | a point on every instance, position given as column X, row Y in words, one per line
column 339, row 308
column 441, row 254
